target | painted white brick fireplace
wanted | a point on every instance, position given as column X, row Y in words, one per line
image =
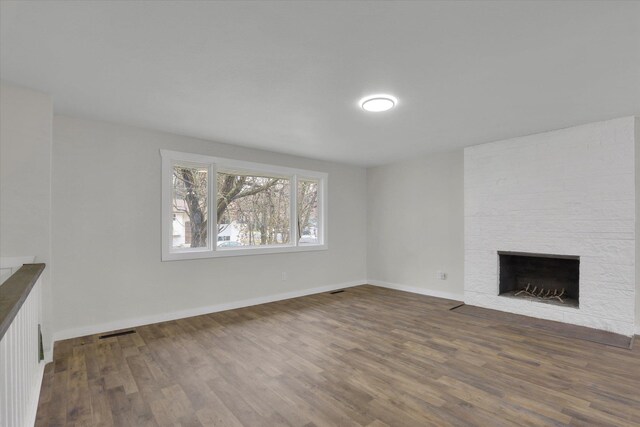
column 567, row 192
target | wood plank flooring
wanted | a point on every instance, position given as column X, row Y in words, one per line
column 549, row 326
column 365, row 357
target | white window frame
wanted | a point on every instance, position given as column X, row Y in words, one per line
column 172, row 158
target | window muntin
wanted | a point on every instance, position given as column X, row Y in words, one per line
column 267, row 218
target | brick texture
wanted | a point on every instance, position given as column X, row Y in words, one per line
column 570, row 192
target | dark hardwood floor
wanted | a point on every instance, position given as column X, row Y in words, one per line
column 365, row 357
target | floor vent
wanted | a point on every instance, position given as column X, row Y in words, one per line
column 337, row 292
column 117, row 334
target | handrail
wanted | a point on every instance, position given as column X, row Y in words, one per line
column 14, row 291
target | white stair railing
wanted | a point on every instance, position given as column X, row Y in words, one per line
column 21, row 369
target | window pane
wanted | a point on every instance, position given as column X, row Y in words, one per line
column 253, row 210
column 190, row 207
column 308, row 218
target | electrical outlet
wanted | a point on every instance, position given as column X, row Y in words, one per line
column 441, row 275
column 284, row 276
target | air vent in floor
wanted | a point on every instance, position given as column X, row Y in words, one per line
column 117, row 334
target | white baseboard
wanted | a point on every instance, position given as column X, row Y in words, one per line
column 164, row 317
column 416, row 290
column 32, row 411
column 48, row 355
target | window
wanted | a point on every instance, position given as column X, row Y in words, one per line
column 308, row 225
column 189, row 187
column 215, row 207
column 257, row 208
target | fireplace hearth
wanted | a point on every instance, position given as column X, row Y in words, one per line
column 551, row 279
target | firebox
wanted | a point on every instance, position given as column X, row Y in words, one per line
column 552, row 279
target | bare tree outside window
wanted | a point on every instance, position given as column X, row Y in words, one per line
column 257, row 207
column 190, row 206
column 252, row 209
column 308, row 218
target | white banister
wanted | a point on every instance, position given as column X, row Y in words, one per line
column 21, row 369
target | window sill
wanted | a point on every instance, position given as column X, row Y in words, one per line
column 231, row 252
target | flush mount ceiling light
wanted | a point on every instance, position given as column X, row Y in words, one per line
column 378, row 103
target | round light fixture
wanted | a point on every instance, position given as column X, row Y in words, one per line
column 378, row 103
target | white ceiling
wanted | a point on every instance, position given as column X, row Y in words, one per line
column 286, row 76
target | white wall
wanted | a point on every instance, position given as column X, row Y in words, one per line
column 415, row 224
column 106, row 232
column 25, row 181
column 566, row 192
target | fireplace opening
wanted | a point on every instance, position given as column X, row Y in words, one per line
column 552, row 279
